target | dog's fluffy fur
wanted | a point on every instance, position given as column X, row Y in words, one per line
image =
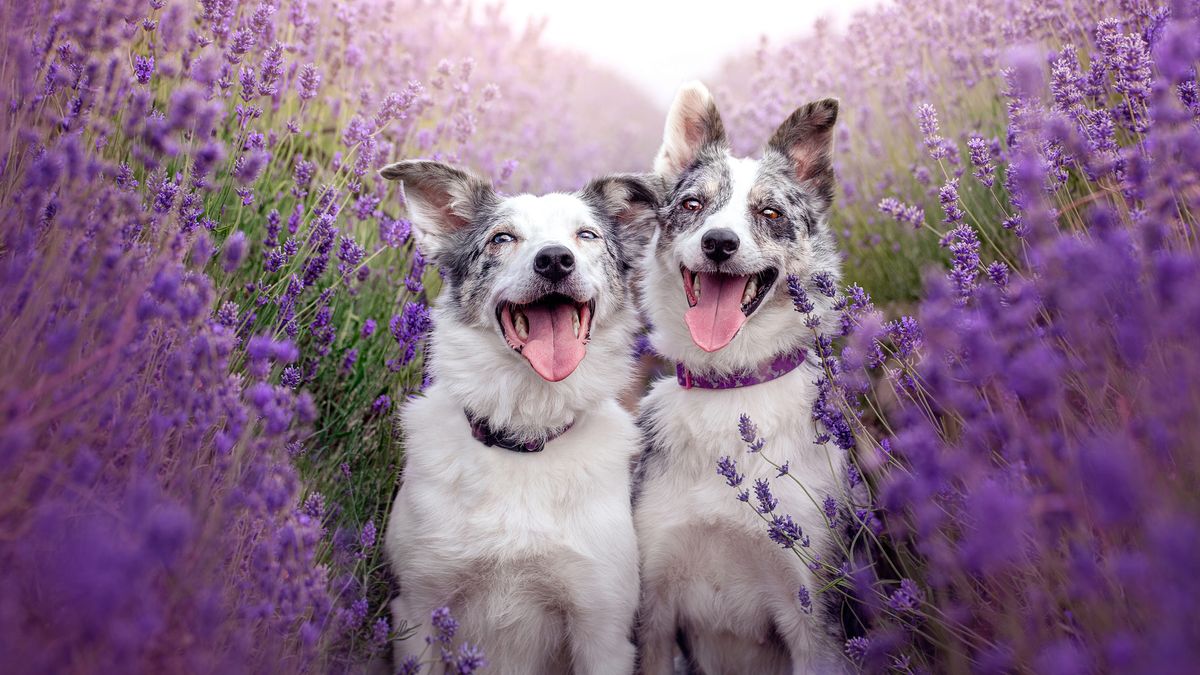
column 711, row 577
column 534, row 553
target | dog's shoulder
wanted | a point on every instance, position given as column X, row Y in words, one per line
column 434, row 428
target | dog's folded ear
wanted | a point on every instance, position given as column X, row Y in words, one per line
column 693, row 124
column 629, row 199
column 806, row 140
column 442, row 201
column 630, row 203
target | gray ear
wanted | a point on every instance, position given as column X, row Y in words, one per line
column 630, row 202
column 629, row 199
column 442, row 200
column 692, row 124
column 806, row 140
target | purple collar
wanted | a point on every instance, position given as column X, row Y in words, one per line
column 483, row 432
column 765, row 372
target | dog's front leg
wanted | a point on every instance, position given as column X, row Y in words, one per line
column 403, row 616
column 656, row 636
column 599, row 638
column 812, row 651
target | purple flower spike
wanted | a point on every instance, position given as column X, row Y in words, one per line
column 234, row 252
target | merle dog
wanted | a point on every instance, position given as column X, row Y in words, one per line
column 731, row 230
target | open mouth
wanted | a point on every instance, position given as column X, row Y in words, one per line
column 719, row 304
column 551, row 332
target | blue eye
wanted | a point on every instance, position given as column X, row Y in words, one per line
column 588, row 234
column 503, row 238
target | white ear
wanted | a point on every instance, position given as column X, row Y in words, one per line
column 442, row 201
column 692, row 123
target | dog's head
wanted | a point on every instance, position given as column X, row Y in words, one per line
column 533, row 279
column 732, row 230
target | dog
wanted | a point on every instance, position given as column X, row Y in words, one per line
column 514, row 508
column 731, row 230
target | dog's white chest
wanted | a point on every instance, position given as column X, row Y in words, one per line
column 521, row 546
column 708, row 551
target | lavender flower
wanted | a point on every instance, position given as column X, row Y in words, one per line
column 309, row 82
column 934, row 143
column 830, row 507
column 913, row 216
column 906, row 598
column 143, row 68
column 799, row 297
column 998, row 273
column 409, row 328
column 823, row 281
column 291, row 377
column 983, row 154
column 727, row 468
column 964, row 250
column 234, row 252
column 805, row 600
column 784, row 531
column 948, row 196
column 381, row 404
column 856, row 648
column 766, row 501
column 749, row 433
column 444, row 626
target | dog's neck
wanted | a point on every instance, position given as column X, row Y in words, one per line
column 766, row 371
column 741, row 357
column 484, row 376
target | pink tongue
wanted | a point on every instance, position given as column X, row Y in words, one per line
column 717, row 316
column 552, row 348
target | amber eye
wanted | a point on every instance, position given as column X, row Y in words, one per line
column 770, row 214
column 692, row 204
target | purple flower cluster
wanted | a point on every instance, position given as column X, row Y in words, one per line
column 907, row 214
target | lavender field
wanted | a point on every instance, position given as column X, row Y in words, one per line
column 210, row 307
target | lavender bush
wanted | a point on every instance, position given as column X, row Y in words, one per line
column 210, row 306
column 1025, row 443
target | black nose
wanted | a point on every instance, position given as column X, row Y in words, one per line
column 554, row 262
column 719, row 243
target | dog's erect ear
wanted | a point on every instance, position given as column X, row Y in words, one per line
column 442, row 201
column 692, row 123
column 806, row 139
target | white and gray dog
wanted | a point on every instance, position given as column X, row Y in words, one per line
column 515, row 505
column 730, row 232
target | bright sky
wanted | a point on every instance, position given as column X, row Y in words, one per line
column 662, row 44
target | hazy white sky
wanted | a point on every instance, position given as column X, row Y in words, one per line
column 661, row 44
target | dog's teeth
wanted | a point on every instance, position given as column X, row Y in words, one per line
column 575, row 321
column 751, row 291
column 696, row 285
column 521, row 323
